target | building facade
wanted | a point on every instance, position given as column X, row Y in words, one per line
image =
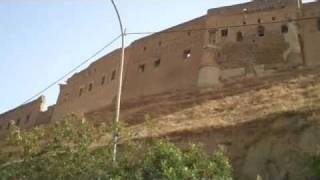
column 249, row 40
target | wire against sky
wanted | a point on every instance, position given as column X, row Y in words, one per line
column 72, row 70
column 159, row 32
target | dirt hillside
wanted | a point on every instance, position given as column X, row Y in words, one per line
column 267, row 126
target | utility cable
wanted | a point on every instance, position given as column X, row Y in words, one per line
column 72, row 70
column 160, row 32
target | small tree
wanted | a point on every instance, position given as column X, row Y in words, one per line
column 68, row 150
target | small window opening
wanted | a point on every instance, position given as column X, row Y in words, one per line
column 259, row 21
column 239, row 36
column 113, row 75
column 244, row 22
column 189, row 33
column 157, row 63
column 212, row 36
column 187, row 54
column 18, row 121
column 27, row 119
column 224, row 32
column 160, row 43
column 142, row 67
column 218, row 54
column 318, row 24
column 261, row 31
column 90, row 87
column 80, row 91
column 274, row 18
column 144, row 48
column 103, row 80
column 284, row 29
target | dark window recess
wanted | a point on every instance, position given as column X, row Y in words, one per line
column 103, row 80
column 224, row 32
column 318, row 24
column 160, row 43
column 212, row 36
column 18, row 121
column 189, row 33
column 218, row 54
column 284, row 29
column 187, row 54
column 274, row 18
column 113, row 75
column 157, row 63
column 142, row 68
column 261, row 31
column 90, row 87
column 239, row 36
column 244, row 22
column 80, row 91
column 27, row 119
column 259, row 21
column 144, row 48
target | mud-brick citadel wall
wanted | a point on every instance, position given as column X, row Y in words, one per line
column 254, row 39
column 27, row 115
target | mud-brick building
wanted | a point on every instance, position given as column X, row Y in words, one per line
column 250, row 40
column 27, row 115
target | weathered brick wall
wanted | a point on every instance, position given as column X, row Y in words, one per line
column 154, row 64
column 177, row 58
column 24, row 116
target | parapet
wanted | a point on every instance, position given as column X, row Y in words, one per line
column 252, row 7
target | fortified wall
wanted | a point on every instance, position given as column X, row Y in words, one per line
column 250, row 40
column 26, row 116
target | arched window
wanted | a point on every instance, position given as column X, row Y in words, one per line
column 261, row 31
column 239, row 36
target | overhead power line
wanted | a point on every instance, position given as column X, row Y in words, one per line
column 72, row 70
column 159, row 32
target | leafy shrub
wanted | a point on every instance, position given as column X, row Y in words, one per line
column 69, row 150
column 165, row 161
column 315, row 165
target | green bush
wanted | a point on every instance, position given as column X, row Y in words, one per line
column 165, row 161
column 68, row 150
column 315, row 165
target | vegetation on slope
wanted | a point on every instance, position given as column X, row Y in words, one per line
column 66, row 150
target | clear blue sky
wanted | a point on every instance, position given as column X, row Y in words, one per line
column 40, row 40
